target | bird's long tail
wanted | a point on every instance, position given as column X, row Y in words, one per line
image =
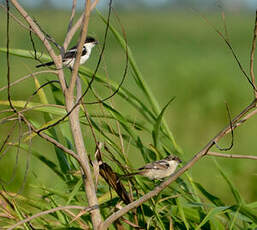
column 128, row 175
column 45, row 64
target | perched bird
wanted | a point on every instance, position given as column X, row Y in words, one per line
column 158, row 169
column 70, row 56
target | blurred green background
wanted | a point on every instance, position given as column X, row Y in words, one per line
column 180, row 55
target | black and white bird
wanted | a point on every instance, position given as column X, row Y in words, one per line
column 158, row 169
column 70, row 56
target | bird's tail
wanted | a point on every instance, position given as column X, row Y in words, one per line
column 45, row 64
column 129, row 175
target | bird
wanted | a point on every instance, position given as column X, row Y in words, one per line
column 158, row 170
column 70, row 56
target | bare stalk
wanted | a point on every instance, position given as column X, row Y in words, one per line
column 75, row 124
column 252, row 55
column 83, row 36
column 235, row 156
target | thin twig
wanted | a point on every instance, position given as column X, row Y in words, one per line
column 8, row 55
column 88, row 209
column 28, row 76
column 45, row 84
column 252, row 54
column 232, row 133
column 236, row 156
column 232, row 51
column 6, row 140
column 225, row 25
column 73, row 12
column 16, row 19
column 124, row 73
column 50, row 139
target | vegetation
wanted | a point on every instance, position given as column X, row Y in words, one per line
column 178, row 54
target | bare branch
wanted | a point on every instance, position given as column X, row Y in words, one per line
column 73, row 12
column 51, row 211
column 236, row 156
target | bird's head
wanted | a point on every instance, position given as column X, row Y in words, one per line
column 91, row 40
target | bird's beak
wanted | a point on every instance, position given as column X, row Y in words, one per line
column 96, row 42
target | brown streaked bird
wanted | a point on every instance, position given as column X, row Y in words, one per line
column 158, row 170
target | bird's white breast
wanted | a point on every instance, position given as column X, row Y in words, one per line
column 162, row 173
column 83, row 58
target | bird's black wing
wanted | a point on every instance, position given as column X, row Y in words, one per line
column 72, row 52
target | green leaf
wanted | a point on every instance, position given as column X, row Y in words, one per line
column 246, row 212
column 157, row 124
column 20, row 215
column 211, row 214
column 51, row 165
column 26, row 53
column 181, row 212
column 34, row 106
column 118, row 116
column 233, row 189
column 74, row 191
column 215, row 200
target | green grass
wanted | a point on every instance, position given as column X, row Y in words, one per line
column 179, row 55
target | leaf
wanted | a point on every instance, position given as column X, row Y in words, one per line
column 233, row 189
column 34, row 106
column 181, row 212
column 211, row 214
column 20, row 215
column 157, row 125
column 51, row 165
column 26, row 53
column 118, row 116
column 41, row 92
column 246, row 212
column 215, row 200
column 74, row 191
